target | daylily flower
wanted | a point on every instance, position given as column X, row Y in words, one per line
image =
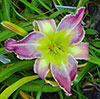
column 56, row 49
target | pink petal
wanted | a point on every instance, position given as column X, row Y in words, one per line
column 72, row 67
column 81, row 51
column 45, row 26
column 65, row 74
column 26, row 48
column 61, row 76
column 41, row 67
column 77, row 34
column 71, row 24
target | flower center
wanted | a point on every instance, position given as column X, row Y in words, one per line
column 54, row 47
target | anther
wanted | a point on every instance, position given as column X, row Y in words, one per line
column 59, row 47
column 51, row 48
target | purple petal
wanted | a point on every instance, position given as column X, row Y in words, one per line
column 45, row 26
column 71, row 24
column 72, row 67
column 26, row 48
column 62, row 78
column 41, row 67
column 77, row 34
column 65, row 74
column 82, row 51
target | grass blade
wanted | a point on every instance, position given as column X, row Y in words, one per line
column 9, row 90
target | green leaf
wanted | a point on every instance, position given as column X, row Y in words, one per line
column 94, row 60
column 15, row 95
column 82, row 96
column 95, row 49
column 14, row 67
column 3, row 51
column 31, row 6
column 60, row 94
column 85, row 2
column 90, row 31
column 55, row 14
column 9, row 90
column 96, row 44
column 44, row 5
column 31, row 86
column 5, row 35
column 6, row 10
column 18, row 13
column 36, row 87
column 82, row 73
column 40, row 90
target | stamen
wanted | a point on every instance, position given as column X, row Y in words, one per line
column 59, row 46
column 51, row 48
